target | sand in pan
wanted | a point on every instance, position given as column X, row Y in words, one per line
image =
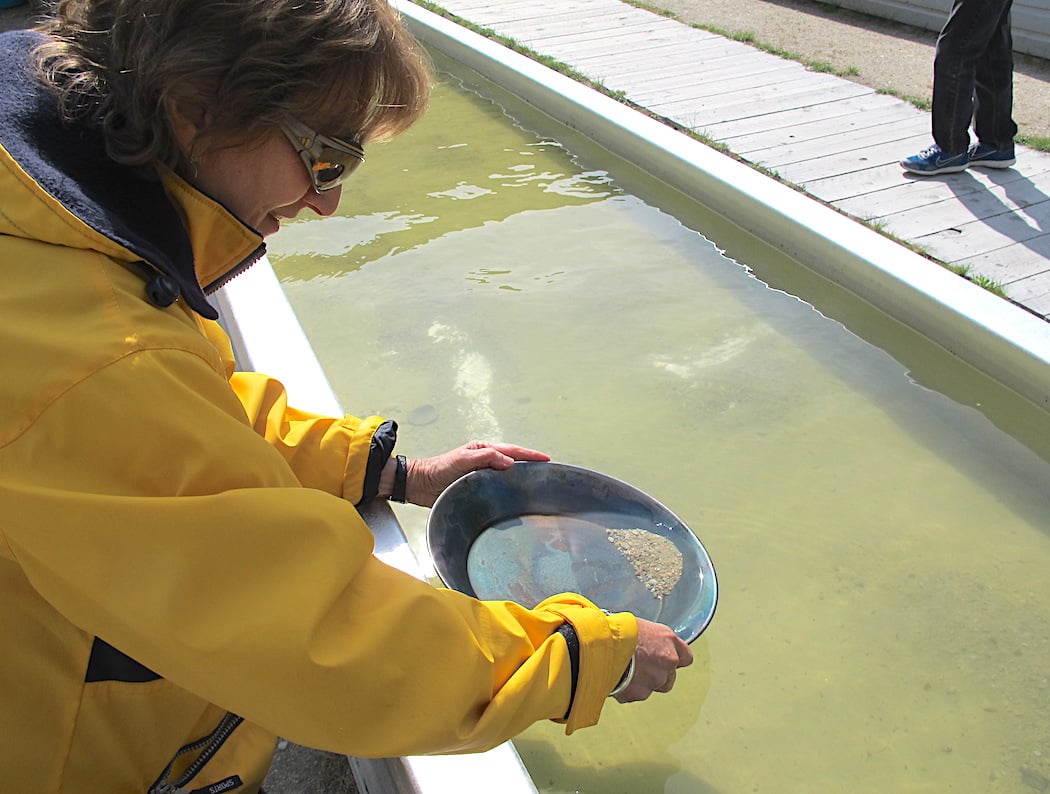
column 657, row 562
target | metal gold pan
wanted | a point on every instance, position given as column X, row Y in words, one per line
column 539, row 529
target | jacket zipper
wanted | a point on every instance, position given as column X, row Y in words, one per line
column 205, row 747
column 232, row 273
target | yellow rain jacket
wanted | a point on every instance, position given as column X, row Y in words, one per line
column 183, row 574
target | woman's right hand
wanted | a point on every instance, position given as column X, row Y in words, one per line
column 657, row 657
column 428, row 477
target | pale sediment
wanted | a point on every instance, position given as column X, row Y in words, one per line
column 657, row 562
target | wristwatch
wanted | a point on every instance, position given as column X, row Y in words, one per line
column 400, row 479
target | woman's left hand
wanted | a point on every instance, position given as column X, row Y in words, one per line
column 428, row 477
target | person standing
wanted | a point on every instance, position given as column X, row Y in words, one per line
column 972, row 81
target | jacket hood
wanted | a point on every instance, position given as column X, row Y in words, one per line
column 69, row 162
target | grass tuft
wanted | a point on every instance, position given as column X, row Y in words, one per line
column 1039, row 142
column 922, row 103
column 652, row 9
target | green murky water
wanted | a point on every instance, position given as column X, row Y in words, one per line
column 879, row 515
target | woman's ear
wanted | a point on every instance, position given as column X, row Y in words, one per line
column 188, row 119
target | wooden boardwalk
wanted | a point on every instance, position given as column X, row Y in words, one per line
column 835, row 139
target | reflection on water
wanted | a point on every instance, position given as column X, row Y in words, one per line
column 466, row 175
column 607, row 557
column 883, row 547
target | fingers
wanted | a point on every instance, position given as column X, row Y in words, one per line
column 486, row 455
column 668, row 684
column 511, row 452
column 428, row 477
column 658, row 655
column 522, row 453
column 685, row 653
column 642, row 691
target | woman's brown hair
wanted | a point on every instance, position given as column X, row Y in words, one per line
column 347, row 66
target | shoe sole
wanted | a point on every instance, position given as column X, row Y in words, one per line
column 993, row 163
column 952, row 169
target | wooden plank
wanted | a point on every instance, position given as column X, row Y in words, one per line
column 832, row 137
column 836, row 188
column 1039, row 306
column 1030, row 288
column 947, row 217
column 655, row 37
column 774, row 123
column 762, row 102
column 1031, row 206
column 762, row 88
column 668, row 65
column 642, row 86
column 764, row 98
column 659, row 33
column 658, row 95
column 913, row 191
column 964, row 240
column 701, row 59
column 558, row 31
column 498, row 12
column 1015, row 265
column 854, row 160
column 584, row 24
column 495, row 14
column 698, row 59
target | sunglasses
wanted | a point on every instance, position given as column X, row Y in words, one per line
column 330, row 161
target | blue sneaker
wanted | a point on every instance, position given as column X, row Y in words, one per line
column 933, row 161
column 985, row 156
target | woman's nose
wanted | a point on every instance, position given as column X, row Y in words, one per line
column 325, row 203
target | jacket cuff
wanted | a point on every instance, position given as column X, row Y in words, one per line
column 606, row 646
column 383, row 440
column 572, row 644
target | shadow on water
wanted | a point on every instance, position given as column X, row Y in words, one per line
column 606, row 759
column 638, row 777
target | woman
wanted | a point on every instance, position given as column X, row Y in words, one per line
column 183, row 574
